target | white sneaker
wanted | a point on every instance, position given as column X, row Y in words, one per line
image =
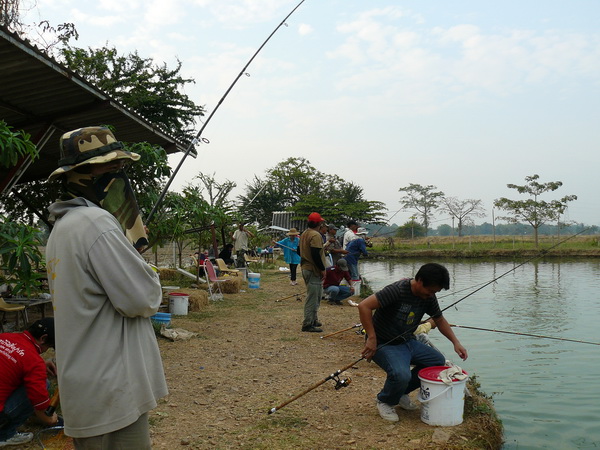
column 406, row 403
column 386, row 411
column 17, row 439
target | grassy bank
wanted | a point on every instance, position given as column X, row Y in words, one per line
column 488, row 246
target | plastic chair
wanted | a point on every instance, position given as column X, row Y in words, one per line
column 213, row 281
column 224, row 269
column 5, row 307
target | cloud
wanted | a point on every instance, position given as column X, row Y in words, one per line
column 304, row 29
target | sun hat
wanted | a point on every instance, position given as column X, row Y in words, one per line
column 332, row 227
column 315, row 217
column 342, row 264
column 293, row 232
column 89, row 145
column 362, row 231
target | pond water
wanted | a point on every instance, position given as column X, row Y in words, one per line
column 545, row 391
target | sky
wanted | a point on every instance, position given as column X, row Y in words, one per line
column 465, row 95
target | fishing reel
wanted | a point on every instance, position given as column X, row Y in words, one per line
column 341, row 382
column 361, row 331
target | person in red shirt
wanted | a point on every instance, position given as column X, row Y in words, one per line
column 331, row 284
column 23, row 384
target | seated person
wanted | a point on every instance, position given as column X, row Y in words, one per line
column 331, row 284
column 225, row 254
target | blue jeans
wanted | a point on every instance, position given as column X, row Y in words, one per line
column 314, row 291
column 17, row 410
column 353, row 269
column 338, row 293
column 396, row 361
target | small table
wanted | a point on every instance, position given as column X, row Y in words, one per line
column 28, row 303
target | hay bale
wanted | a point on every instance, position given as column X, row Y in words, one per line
column 231, row 285
column 198, row 300
column 168, row 274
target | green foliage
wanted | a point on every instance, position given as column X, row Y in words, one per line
column 153, row 91
column 20, row 256
column 534, row 211
column 295, row 185
column 14, row 145
column 411, row 229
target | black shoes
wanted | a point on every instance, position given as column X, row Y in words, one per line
column 316, row 323
column 312, row 329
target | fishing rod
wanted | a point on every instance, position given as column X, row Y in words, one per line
column 341, row 331
column 414, row 327
column 198, row 138
column 526, row 334
column 297, row 295
column 339, row 383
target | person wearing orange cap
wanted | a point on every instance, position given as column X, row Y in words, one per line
column 312, row 263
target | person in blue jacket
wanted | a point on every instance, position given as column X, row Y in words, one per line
column 355, row 248
column 290, row 253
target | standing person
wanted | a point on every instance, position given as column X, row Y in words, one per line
column 399, row 308
column 290, row 252
column 355, row 249
column 350, row 233
column 332, row 245
column 23, row 390
column 331, row 284
column 313, row 271
column 109, row 368
column 240, row 244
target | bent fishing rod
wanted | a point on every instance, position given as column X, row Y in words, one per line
column 198, row 138
column 414, row 327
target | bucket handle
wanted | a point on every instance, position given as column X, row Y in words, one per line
column 425, row 400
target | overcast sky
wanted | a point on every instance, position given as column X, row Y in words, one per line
column 467, row 95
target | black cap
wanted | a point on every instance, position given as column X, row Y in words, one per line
column 42, row 327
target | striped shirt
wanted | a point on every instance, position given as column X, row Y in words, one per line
column 400, row 312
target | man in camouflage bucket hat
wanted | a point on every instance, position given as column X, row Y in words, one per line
column 109, row 367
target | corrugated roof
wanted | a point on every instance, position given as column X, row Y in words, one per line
column 45, row 99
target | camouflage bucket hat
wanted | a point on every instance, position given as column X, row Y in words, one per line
column 89, row 145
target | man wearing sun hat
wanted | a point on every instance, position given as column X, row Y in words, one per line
column 290, row 252
column 109, row 367
column 313, row 271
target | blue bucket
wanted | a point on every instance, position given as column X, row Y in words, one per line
column 162, row 318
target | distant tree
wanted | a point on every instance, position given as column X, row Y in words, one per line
column 534, row 211
column 462, row 210
column 411, row 229
column 423, row 199
column 153, row 91
column 444, row 230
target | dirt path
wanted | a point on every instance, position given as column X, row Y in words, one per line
column 251, row 356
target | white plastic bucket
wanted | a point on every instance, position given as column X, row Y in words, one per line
column 178, row 303
column 254, row 280
column 356, row 284
column 443, row 404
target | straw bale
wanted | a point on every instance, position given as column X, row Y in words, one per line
column 231, row 285
column 198, row 300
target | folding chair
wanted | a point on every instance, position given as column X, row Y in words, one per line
column 213, row 281
column 224, row 269
column 5, row 307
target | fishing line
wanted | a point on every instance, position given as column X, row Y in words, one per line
column 526, row 334
column 198, row 138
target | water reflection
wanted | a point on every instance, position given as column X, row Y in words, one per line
column 544, row 390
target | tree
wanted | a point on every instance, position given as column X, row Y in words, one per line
column 153, row 91
column 423, row 199
column 295, row 185
column 410, row 230
column 462, row 210
column 534, row 211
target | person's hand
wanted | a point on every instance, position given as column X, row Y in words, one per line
column 351, row 288
column 50, row 367
column 370, row 348
column 461, row 351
